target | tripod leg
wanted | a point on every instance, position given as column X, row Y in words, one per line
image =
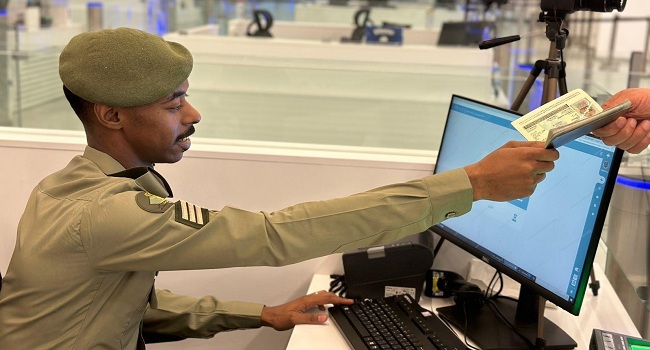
column 562, row 79
column 554, row 76
column 550, row 90
column 525, row 89
column 516, row 104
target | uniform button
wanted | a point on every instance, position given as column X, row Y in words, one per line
column 451, row 214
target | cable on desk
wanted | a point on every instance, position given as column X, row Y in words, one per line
column 469, row 346
column 503, row 317
column 438, row 246
column 489, row 290
column 338, row 285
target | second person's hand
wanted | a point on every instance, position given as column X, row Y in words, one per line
column 631, row 132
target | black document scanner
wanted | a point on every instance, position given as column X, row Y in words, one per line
column 383, row 271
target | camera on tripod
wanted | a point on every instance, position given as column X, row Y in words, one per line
column 570, row 6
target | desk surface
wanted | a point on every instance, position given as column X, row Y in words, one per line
column 604, row 311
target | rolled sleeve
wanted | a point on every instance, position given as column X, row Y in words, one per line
column 203, row 317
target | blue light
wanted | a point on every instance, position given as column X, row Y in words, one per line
column 626, row 181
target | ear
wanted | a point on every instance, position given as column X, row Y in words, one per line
column 107, row 116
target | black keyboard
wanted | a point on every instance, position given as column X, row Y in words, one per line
column 396, row 322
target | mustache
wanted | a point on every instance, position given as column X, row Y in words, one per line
column 188, row 133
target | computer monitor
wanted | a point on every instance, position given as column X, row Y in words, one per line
column 465, row 33
column 546, row 242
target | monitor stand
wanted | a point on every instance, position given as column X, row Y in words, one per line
column 489, row 331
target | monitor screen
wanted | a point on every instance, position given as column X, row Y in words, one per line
column 547, row 241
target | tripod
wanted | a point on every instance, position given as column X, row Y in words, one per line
column 554, row 69
column 554, row 79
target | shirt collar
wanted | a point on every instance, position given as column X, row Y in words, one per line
column 106, row 163
column 147, row 178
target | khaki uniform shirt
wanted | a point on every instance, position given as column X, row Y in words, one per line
column 89, row 246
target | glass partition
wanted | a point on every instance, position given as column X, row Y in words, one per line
column 376, row 98
column 368, row 104
column 627, row 238
column 384, row 100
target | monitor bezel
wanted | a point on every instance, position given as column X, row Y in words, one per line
column 573, row 308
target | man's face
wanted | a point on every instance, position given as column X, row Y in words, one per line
column 159, row 132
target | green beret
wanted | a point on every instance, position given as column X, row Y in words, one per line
column 123, row 67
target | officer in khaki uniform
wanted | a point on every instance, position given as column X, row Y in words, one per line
column 94, row 234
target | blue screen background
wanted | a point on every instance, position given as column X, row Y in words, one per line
column 544, row 237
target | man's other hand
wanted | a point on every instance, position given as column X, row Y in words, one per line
column 286, row 316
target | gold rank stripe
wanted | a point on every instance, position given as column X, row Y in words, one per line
column 190, row 214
